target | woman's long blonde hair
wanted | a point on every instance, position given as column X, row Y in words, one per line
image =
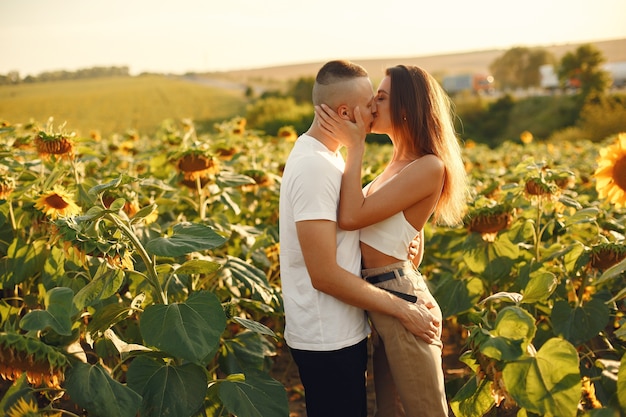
column 422, row 111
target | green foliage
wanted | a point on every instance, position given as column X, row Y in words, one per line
column 583, row 69
column 518, row 68
column 602, row 116
column 542, row 116
column 272, row 113
column 166, row 275
column 541, row 315
column 301, row 90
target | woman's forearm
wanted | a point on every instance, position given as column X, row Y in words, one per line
column 351, row 196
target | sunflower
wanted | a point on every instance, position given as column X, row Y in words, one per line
column 54, row 144
column 225, row 152
column 194, row 164
column 488, row 221
column 287, row 133
column 605, row 255
column 538, row 187
column 526, row 137
column 42, row 364
column 57, row 203
column 589, row 400
column 239, row 126
column 611, row 172
column 7, row 185
column 23, row 408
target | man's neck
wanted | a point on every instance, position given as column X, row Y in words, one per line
column 324, row 137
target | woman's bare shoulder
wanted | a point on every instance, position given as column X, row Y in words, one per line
column 429, row 162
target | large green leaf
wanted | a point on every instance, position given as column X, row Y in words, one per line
column 493, row 260
column 547, row 384
column 254, row 394
column 586, row 215
column 187, row 238
column 167, row 390
column 247, row 281
column 541, row 285
column 198, row 266
column 456, row 296
column 106, row 316
column 579, row 324
column 23, row 261
column 244, row 351
column 473, row 400
column 255, row 326
column 57, row 316
column 91, row 387
column 228, row 179
column 115, row 183
column 514, row 329
column 502, row 349
column 189, row 330
column 515, row 323
column 104, row 284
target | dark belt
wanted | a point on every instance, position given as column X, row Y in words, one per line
column 377, row 279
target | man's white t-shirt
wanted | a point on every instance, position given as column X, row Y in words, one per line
column 310, row 191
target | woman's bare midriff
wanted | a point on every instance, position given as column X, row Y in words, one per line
column 371, row 258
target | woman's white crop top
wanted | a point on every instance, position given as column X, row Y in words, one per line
column 390, row 236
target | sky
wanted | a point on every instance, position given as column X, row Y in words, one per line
column 219, row 35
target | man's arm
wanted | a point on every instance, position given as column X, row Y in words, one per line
column 319, row 247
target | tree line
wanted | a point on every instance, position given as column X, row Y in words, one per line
column 13, row 77
column 519, row 68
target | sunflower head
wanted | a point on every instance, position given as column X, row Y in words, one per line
column 488, row 221
column 197, row 164
column 260, row 177
column 239, row 126
column 7, row 185
column 526, row 137
column 23, row 408
column 470, row 144
column 96, row 238
column 605, row 255
column 540, row 188
column 287, row 133
column 42, row 364
column 611, row 172
column 57, row 203
column 58, row 144
column 225, row 152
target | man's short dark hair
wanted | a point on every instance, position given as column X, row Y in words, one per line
column 334, row 71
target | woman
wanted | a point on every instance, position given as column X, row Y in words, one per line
column 425, row 178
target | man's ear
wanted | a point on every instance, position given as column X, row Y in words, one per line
column 344, row 112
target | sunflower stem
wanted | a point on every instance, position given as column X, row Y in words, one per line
column 12, row 216
column 153, row 277
column 75, row 170
column 201, row 198
column 538, row 230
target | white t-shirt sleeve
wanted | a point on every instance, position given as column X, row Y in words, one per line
column 315, row 190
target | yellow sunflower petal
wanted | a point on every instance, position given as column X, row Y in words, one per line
column 621, row 141
column 604, row 171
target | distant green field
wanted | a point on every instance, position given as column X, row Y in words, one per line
column 115, row 105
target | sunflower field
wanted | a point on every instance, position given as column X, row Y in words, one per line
column 139, row 275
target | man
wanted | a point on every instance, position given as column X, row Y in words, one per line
column 324, row 296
